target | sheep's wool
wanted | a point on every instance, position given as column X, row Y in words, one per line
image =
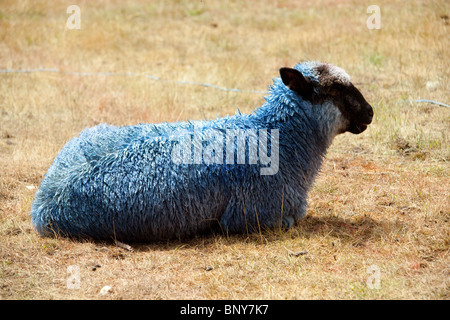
column 123, row 183
column 338, row 74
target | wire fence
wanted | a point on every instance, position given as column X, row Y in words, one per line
column 152, row 77
column 131, row 74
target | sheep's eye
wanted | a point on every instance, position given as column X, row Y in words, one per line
column 332, row 91
column 351, row 100
column 335, row 89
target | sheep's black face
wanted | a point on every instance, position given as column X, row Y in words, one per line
column 352, row 105
column 333, row 85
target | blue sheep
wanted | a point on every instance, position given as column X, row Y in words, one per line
column 237, row 174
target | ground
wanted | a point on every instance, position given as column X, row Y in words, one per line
column 377, row 225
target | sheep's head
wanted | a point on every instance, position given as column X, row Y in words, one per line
column 321, row 82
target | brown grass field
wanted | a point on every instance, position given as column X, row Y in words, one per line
column 381, row 201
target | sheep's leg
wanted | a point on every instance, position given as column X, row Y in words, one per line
column 289, row 220
column 254, row 213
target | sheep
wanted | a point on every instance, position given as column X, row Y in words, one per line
column 162, row 181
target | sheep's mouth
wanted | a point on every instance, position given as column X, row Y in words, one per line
column 357, row 128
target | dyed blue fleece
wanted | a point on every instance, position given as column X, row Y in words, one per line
column 121, row 182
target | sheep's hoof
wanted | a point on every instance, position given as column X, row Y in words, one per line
column 288, row 222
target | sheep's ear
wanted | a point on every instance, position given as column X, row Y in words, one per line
column 294, row 80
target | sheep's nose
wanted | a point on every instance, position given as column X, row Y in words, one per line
column 369, row 115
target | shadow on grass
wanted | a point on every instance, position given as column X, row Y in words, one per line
column 356, row 232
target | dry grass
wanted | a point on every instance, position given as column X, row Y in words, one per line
column 382, row 198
